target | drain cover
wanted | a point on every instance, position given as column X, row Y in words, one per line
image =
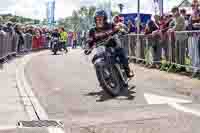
column 40, row 123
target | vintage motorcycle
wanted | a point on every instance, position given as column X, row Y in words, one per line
column 109, row 71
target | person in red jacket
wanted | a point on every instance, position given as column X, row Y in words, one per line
column 37, row 40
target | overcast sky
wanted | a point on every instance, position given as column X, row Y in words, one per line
column 37, row 8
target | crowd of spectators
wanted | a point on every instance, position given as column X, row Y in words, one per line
column 167, row 21
column 39, row 34
column 175, row 25
column 21, row 30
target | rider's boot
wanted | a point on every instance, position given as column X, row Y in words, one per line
column 128, row 71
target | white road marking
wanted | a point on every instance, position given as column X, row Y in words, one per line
column 27, row 93
column 184, row 109
column 7, row 128
column 55, row 130
column 172, row 102
column 57, row 89
column 157, row 99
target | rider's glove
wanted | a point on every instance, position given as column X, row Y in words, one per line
column 108, row 33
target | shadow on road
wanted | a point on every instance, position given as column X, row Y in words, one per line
column 103, row 96
column 1, row 66
column 56, row 54
column 59, row 54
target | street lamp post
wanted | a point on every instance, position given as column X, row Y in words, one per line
column 110, row 10
column 158, row 7
column 161, row 7
column 138, row 27
column 138, row 16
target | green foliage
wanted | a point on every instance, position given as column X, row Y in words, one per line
column 44, row 22
column 18, row 19
column 115, row 13
column 81, row 20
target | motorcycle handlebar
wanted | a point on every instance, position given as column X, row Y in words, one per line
column 103, row 42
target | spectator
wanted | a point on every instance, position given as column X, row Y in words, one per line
column 119, row 21
column 21, row 38
column 48, row 37
column 152, row 28
column 29, row 30
column 184, row 15
column 178, row 20
column 165, row 23
column 83, row 39
column 152, row 25
column 131, row 27
column 164, row 26
column 75, row 37
column 195, row 17
column 181, row 39
column 37, row 39
column 136, row 23
column 63, row 38
column 9, row 27
column 194, row 46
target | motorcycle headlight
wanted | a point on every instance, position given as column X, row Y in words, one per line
column 97, row 51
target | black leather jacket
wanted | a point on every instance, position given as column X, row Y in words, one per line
column 97, row 34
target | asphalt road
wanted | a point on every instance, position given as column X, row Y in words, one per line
column 67, row 89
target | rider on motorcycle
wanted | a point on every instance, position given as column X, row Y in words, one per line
column 103, row 30
column 55, row 34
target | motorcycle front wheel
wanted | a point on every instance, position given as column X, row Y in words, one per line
column 109, row 79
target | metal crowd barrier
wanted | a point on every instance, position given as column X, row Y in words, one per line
column 45, row 41
column 180, row 48
column 9, row 43
column 27, row 42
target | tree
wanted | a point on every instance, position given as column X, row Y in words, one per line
column 36, row 21
column 75, row 20
column 121, row 7
column 14, row 19
column 115, row 13
column 92, row 11
column 68, row 24
column 83, row 11
column 44, row 22
column 1, row 19
column 81, row 20
column 87, row 15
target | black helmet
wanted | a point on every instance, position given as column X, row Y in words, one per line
column 101, row 13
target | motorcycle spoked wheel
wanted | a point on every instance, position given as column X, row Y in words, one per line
column 109, row 78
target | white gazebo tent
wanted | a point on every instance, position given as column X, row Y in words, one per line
column 187, row 5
